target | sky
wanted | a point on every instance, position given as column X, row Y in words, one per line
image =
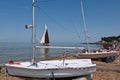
column 62, row 17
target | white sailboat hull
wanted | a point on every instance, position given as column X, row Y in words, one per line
column 48, row 69
column 98, row 55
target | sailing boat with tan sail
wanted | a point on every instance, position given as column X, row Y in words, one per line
column 45, row 37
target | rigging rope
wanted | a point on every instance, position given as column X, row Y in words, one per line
column 64, row 28
column 51, row 18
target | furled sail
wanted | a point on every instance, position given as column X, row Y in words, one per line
column 45, row 38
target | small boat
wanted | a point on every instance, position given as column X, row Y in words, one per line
column 49, row 68
column 106, row 55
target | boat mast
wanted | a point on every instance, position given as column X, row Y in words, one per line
column 85, row 27
column 33, row 31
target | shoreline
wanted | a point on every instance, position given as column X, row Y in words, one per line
column 104, row 71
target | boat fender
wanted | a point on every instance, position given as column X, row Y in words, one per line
column 12, row 62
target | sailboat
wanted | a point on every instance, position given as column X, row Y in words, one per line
column 49, row 68
column 45, row 38
column 98, row 54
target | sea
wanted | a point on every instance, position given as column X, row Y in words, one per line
column 22, row 51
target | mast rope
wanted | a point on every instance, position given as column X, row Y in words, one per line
column 60, row 25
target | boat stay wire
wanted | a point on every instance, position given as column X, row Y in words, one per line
column 58, row 23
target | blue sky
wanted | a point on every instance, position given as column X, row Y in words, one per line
column 63, row 18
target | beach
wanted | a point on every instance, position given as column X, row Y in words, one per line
column 105, row 71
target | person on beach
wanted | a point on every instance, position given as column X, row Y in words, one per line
column 0, row 69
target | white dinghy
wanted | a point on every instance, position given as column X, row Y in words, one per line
column 52, row 68
column 49, row 68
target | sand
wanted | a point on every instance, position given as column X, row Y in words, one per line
column 105, row 71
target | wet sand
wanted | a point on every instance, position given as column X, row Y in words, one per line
column 105, row 71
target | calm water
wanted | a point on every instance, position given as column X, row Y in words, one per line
column 23, row 51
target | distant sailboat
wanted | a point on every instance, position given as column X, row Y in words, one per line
column 45, row 38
